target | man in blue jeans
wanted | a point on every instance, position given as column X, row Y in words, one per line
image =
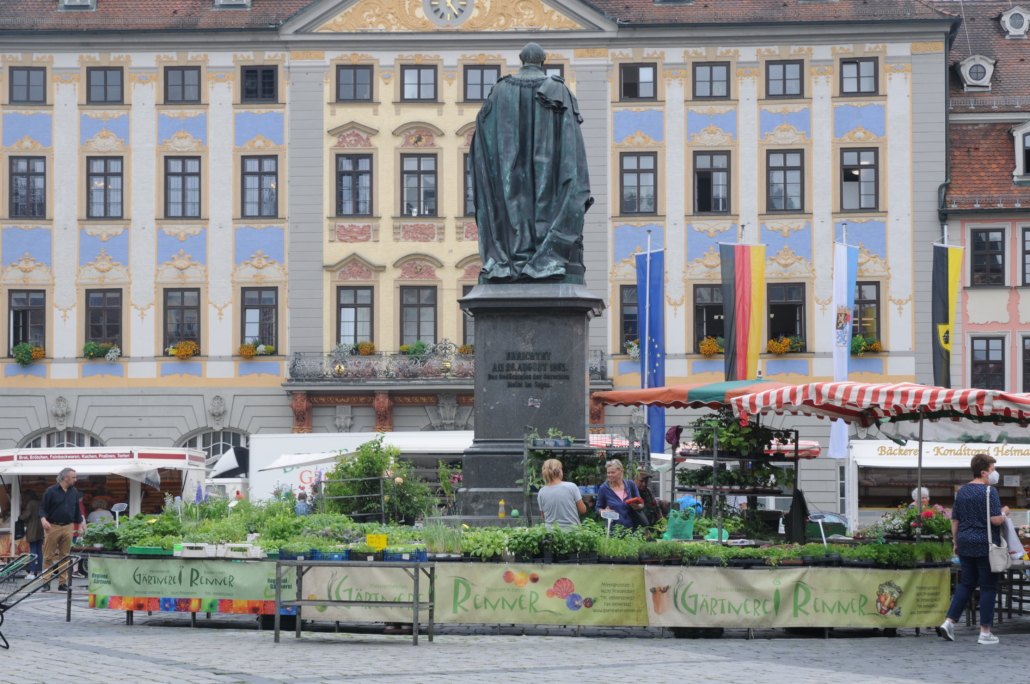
column 977, row 509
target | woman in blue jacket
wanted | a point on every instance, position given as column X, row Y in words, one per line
column 613, row 494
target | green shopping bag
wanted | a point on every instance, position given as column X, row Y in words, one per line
column 681, row 525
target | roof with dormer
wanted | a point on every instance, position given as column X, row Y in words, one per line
column 191, row 15
column 982, row 33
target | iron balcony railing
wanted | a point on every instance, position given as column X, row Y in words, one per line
column 988, row 201
column 442, row 362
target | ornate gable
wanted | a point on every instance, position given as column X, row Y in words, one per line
column 461, row 15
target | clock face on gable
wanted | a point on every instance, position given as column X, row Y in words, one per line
column 447, row 12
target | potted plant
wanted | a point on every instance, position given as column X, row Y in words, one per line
column 743, row 441
column 861, row 345
column 467, row 349
column 633, row 349
column 248, row 351
column 27, row 353
column 184, row 350
column 366, row 348
column 710, row 346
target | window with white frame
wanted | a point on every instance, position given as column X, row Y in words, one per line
column 214, row 443
column 64, row 439
column 1021, row 144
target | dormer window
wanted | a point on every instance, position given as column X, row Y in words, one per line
column 1015, row 21
column 76, row 5
column 976, row 72
column 232, row 4
column 1021, row 138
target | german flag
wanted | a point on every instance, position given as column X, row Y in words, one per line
column 743, row 297
column 947, row 268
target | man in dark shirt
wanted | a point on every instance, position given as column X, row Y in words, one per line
column 59, row 513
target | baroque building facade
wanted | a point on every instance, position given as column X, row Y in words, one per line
column 292, row 173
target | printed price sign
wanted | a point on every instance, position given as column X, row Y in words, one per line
column 376, row 541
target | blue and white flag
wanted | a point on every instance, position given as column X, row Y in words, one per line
column 845, row 272
column 651, row 322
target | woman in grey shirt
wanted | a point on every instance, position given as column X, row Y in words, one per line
column 560, row 502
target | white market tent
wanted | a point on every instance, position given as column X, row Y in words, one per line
column 430, row 443
column 866, row 458
column 140, row 465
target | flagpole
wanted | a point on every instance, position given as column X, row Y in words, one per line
column 647, row 316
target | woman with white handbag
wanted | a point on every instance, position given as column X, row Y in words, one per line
column 976, row 521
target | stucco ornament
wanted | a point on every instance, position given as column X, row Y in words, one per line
column 217, row 411
column 61, row 410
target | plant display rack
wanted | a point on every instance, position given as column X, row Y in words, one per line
column 714, row 490
column 628, row 442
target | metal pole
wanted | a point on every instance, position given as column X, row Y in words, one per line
column 278, row 598
column 300, row 594
column 415, row 608
column 647, row 317
column 715, row 480
column 919, row 484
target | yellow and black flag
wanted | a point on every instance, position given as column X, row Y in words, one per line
column 947, row 266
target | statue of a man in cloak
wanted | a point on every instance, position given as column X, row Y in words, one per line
column 529, row 176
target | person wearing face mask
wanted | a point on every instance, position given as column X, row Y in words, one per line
column 969, row 524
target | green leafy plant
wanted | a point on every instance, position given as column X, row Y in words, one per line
column 26, row 353
column 94, row 350
column 735, row 438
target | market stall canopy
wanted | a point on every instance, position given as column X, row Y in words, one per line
column 866, row 404
column 442, row 442
column 708, row 395
column 881, row 453
column 134, row 463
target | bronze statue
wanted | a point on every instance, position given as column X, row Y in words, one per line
column 529, row 176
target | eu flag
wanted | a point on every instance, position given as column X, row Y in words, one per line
column 651, row 317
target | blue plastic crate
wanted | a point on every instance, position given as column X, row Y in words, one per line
column 340, row 555
column 415, row 556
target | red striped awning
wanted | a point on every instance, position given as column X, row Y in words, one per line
column 866, row 403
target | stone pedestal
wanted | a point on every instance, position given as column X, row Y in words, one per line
column 531, row 372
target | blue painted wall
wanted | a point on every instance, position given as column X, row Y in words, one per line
column 249, row 125
column 38, row 127
column 871, row 234
column 116, row 247
column 168, row 126
column 37, row 242
column 871, row 117
column 89, row 127
column 698, row 243
column 650, row 122
column 696, row 122
column 270, row 241
column 768, row 121
column 800, row 241
column 631, row 239
column 194, row 245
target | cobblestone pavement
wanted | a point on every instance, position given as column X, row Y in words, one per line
column 97, row 646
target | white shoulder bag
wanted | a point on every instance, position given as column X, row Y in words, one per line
column 999, row 555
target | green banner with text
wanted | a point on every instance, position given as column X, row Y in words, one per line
column 796, row 597
column 187, row 578
column 493, row 593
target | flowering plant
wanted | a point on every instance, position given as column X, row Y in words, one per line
column 113, row 354
column 25, row 353
column 467, row 349
column 710, row 346
column 184, row 350
column 936, row 521
column 633, row 349
column 366, row 348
